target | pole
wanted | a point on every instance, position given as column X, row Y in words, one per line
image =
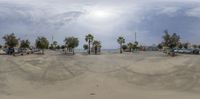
column 135, row 37
column 52, row 39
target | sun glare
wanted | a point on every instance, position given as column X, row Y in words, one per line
column 101, row 14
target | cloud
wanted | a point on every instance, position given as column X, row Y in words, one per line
column 194, row 12
column 15, row 15
column 61, row 18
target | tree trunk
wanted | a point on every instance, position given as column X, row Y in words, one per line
column 73, row 52
column 120, row 48
column 100, row 50
column 95, row 50
column 42, row 51
column 89, row 47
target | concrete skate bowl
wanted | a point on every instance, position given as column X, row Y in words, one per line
column 180, row 77
column 46, row 69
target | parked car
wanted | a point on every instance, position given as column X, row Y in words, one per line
column 34, row 50
column 176, row 50
column 195, row 51
column 2, row 52
column 10, row 51
column 181, row 50
column 24, row 51
column 187, row 51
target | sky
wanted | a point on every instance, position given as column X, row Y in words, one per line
column 105, row 19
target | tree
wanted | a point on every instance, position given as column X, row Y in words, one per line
column 58, row 47
column 170, row 41
column 174, row 40
column 166, row 39
column 135, row 45
column 130, row 46
column 180, row 45
column 51, row 47
column 160, row 46
column 71, row 43
column 89, row 38
column 124, row 47
column 54, row 44
column 194, row 46
column 11, row 40
column 199, row 46
column 121, row 41
column 96, row 45
column 1, row 46
column 185, row 45
column 25, row 44
column 85, row 46
column 63, row 47
column 42, row 43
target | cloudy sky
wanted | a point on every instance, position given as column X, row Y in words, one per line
column 105, row 19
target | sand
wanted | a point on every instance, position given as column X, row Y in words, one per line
column 142, row 75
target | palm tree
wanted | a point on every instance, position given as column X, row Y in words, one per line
column 89, row 38
column 96, row 45
column 121, row 40
column 71, row 43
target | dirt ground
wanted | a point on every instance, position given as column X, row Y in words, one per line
column 142, row 75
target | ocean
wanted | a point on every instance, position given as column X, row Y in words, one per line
column 102, row 50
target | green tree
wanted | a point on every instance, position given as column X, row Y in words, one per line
column 159, row 46
column 42, row 43
column 124, row 47
column 185, row 45
column 194, row 46
column 63, row 47
column 1, row 46
column 85, row 47
column 175, row 40
column 71, row 43
column 167, row 39
column 89, row 38
column 11, row 40
column 96, row 45
column 130, row 46
column 51, row 47
column 180, row 45
column 121, row 41
column 135, row 45
column 54, row 44
column 58, row 47
column 170, row 41
column 25, row 44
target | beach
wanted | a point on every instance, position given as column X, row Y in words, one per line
column 140, row 75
